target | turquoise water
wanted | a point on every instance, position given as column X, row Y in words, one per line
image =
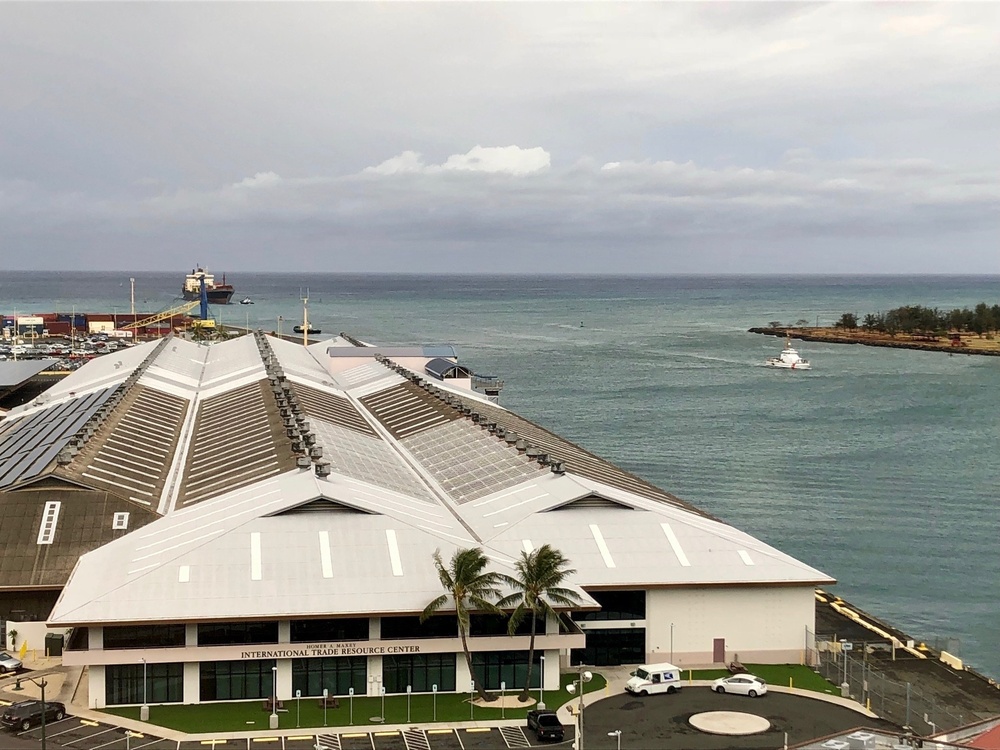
column 879, row 467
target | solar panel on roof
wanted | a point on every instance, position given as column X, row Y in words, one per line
column 28, row 448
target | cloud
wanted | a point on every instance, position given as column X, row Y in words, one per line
column 261, row 179
column 511, row 160
column 645, row 125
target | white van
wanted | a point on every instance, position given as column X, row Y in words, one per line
column 649, row 679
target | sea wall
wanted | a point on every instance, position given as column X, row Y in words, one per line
column 865, row 340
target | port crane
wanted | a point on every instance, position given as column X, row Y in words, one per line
column 179, row 310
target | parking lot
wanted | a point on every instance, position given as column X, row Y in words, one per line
column 652, row 723
column 82, row 734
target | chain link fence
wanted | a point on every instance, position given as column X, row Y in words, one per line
column 901, row 702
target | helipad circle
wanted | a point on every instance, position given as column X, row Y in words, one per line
column 729, row 722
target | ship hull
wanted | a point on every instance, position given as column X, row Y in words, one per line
column 216, row 295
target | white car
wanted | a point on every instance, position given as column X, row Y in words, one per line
column 741, row 684
column 8, row 663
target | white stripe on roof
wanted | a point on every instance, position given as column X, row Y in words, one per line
column 324, row 554
column 255, row 573
column 184, row 573
column 527, row 545
column 745, row 556
column 602, row 546
column 675, row 545
column 50, row 516
column 397, row 565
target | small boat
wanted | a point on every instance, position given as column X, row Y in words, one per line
column 300, row 329
column 789, row 359
column 246, row 301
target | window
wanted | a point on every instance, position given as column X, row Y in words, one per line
column 616, row 605
column 50, row 516
column 318, row 631
column 482, row 625
column 236, row 680
column 441, row 626
column 119, row 521
column 506, row 666
column 235, row 633
column 123, row 683
column 613, row 646
column 143, row 636
column 336, row 674
column 420, row 671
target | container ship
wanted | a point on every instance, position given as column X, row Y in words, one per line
column 218, row 294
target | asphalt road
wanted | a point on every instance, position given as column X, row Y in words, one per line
column 658, row 722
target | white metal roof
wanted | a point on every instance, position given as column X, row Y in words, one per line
column 412, row 469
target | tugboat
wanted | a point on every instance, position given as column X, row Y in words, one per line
column 789, row 359
column 218, row 294
column 300, row 329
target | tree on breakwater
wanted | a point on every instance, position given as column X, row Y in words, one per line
column 917, row 320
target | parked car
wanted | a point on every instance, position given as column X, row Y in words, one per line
column 27, row 714
column 546, row 725
column 741, row 684
column 9, row 663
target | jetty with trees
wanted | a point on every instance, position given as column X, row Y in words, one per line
column 957, row 331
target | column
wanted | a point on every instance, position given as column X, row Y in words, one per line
column 95, row 679
column 192, row 680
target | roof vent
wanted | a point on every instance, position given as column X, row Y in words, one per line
column 521, row 445
column 303, row 462
column 323, row 469
column 501, row 431
column 558, row 467
column 64, row 458
column 491, row 426
column 543, row 459
column 532, row 452
column 297, row 446
column 309, row 438
column 316, row 451
column 511, row 437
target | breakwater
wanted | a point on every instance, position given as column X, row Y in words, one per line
column 829, row 336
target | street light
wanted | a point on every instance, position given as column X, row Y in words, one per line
column 617, row 733
column 144, row 709
column 576, row 687
column 541, row 683
column 41, row 685
column 273, row 719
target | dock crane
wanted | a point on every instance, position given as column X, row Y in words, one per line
column 179, row 310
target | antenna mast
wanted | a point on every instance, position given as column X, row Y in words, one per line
column 305, row 319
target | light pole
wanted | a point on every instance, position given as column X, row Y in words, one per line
column 326, row 695
column 144, row 710
column 434, row 692
column 671, row 643
column 41, row 685
column 541, row 683
column 273, row 719
column 583, row 676
column 350, row 698
column 617, row 733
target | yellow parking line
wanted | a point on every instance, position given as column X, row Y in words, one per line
column 439, row 731
column 355, row 735
column 264, row 739
column 213, row 743
column 307, row 737
column 89, row 723
column 5, row 703
column 479, row 729
column 385, row 734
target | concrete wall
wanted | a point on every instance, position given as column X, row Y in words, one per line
column 32, row 632
column 760, row 624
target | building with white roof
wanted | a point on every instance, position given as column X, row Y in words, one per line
column 282, row 504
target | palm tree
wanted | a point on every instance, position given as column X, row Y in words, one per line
column 467, row 584
column 538, row 581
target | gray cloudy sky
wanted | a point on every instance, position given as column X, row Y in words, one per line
column 509, row 137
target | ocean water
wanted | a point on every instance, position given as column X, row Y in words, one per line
column 879, row 467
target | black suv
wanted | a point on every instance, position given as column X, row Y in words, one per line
column 26, row 714
column 545, row 725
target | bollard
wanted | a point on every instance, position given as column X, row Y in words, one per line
column 17, row 684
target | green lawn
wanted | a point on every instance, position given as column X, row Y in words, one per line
column 249, row 715
column 786, row 675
